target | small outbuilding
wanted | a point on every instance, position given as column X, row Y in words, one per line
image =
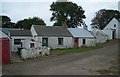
column 82, row 37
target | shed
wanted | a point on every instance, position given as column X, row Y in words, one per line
column 4, row 48
column 82, row 37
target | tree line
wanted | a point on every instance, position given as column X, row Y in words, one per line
column 68, row 12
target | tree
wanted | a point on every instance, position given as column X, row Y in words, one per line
column 103, row 17
column 6, row 22
column 27, row 23
column 67, row 11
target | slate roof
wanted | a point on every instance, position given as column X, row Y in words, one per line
column 20, row 33
column 7, row 30
column 80, row 33
column 52, row 31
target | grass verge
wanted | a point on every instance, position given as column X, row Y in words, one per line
column 65, row 51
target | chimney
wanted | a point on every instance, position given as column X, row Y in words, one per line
column 85, row 27
column 65, row 24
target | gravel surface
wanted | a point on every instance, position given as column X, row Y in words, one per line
column 84, row 63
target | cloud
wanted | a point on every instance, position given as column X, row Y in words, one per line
column 20, row 10
column 56, row 0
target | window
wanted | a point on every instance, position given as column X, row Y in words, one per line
column 114, row 25
column 17, row 41
column 31, row 45
column 83, row 41
column 60, row 41
column 45, row 42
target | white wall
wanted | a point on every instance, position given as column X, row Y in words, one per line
column 53, row 42
column 111, row 26
column 109, row 33
column 89, row 42
column 25, row 42
column 34, row 33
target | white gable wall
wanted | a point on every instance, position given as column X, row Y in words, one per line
column 34, row 33
column 110, row 26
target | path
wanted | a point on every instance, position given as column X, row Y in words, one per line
column 76, row 64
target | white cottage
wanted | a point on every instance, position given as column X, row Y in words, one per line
column 112, row 29
column 21, row 39
column 53, row 37
column 82, row 37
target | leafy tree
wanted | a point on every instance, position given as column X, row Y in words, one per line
column 103, row 17
column 67, row 11
column 27, row 23
column 6, row 22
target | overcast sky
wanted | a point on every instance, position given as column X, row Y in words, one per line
column 20, row 9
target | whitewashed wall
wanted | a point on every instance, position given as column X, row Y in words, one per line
column 53, row 42
column 89, row 42
column 109, row 33
column 14, row 47
column 33, row 32
column 111, row 26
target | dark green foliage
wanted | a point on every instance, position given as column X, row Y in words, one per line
column 6, row 22
column 27, row 23
column 66, row 11
column 103, row 17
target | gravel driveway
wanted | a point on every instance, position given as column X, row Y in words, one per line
column 84, row 63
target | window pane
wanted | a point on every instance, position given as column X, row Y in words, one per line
column 32, row 45
column 60, row 41
column 17, row 41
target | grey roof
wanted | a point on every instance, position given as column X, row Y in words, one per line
column 52, row 31
column 20, row 33
column 6, row 30
column 80, row 33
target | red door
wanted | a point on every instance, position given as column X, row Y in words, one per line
column 5, row 50
column 76, row 43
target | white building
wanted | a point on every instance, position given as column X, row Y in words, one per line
column 20, row 39
column 53, row 37
column 82, row 37
column 112, row 29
